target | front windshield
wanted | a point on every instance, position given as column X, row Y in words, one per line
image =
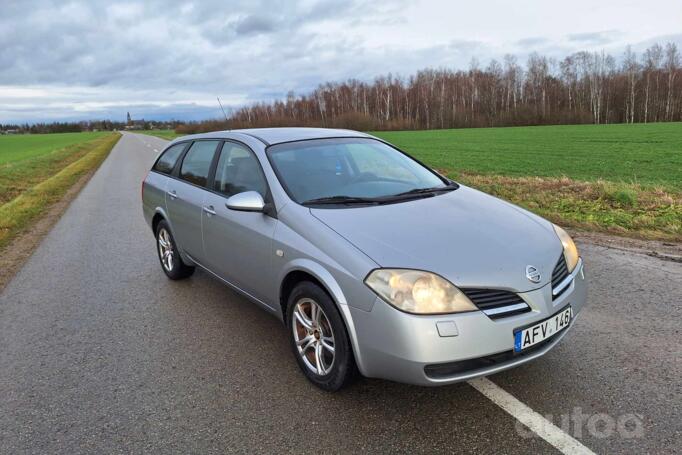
column 347, row 168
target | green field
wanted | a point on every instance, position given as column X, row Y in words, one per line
column 163, row 134
column 649, row 154
column 36, row 171
column 20, row 147
column 28, row 159
column 622, row 179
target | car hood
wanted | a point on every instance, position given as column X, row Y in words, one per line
column 466, row 236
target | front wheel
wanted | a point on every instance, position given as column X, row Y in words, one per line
column 171, row 262
column 319, row 338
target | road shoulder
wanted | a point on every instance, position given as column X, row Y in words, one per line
column 665, row 250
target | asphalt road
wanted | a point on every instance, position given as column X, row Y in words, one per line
column 100, row 353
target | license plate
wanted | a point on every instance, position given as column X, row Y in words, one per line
column 532, row 335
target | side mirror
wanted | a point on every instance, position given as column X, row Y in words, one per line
column 248, row 201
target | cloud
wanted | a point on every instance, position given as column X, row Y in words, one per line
column 252, row 25
column 592, row 38
column 97, row 57
column 533, row 41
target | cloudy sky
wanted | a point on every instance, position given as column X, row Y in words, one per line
column 72, row 60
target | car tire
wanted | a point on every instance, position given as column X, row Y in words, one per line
column 167, row 250
column 330, row 370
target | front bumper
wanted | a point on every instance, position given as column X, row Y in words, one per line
column 404, row 347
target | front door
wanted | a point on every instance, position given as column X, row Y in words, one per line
column 238, row 245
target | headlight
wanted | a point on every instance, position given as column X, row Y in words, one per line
column 570, row 250
column 418, row 292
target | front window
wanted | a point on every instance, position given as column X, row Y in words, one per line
column 351, row 170
column 238, row 171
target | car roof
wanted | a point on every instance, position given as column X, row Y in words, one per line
column 270, row 136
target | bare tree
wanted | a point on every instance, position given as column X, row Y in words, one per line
column 631, row 70
column 672, row 63
column 582, row 88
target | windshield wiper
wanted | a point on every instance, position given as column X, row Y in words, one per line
column 380, row 200
column 435, row 189
column 341, row 200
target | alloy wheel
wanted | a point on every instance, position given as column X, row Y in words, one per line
column 314, row 336
column 166, row 249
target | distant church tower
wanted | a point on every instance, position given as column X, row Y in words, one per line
column 130, row 121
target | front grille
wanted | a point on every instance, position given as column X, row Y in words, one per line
column 558, row 275
column 497, row 303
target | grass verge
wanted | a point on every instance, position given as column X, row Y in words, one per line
column 19, row 212
column 631, row 210
column 163, row 134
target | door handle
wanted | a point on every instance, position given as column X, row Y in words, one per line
column 172, row 194
column 209, row 210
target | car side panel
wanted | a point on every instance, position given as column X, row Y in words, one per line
column 238, row 247
column 300, row 237
column 185, row 211
column 153, row 195
column 332, row 260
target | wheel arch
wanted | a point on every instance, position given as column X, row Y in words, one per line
column 160, row 215
column 308, row 270
column 156, row 219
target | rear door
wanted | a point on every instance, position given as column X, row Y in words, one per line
column 154, row 189
column 185, row 196
column 238, row 245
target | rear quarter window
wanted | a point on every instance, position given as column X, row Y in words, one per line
column 166, row 162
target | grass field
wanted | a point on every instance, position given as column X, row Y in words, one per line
column 36, row 171
column 21, row 147
column 26, row 160
column 163, row 134
column 650, row 154
column 622, row 179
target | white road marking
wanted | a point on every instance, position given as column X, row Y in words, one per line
column 156, row 150
column 538, row 424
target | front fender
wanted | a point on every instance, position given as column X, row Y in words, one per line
column 332, row 287
column 319, row 272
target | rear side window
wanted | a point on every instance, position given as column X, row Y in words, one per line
column 197, row 162
column 167, row 161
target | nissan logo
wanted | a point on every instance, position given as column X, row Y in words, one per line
column 533, row 274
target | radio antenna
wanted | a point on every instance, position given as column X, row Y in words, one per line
column 221, row 107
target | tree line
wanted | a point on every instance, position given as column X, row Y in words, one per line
column 37, row 128
column 77, row 127
column 584, row 87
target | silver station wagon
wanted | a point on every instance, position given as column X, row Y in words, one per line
column 375, row 263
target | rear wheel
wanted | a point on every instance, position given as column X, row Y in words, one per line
column 319, row 338
column 170, row 259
